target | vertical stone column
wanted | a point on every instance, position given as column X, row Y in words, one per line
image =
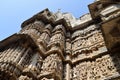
column 68, row 72
column 44, row 38
column 52, row 67
column 68, row 57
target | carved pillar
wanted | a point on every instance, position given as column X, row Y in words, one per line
column 68, row 58
column 52, row 65
column 44, row 38
column 68, row 72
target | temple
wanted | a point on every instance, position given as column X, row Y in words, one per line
column 58, row 46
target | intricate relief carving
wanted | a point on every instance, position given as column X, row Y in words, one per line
column 33, row 29
column 80, row 72
column 52, row 65
column 52, row 62
column 68, row 45
column 45, row 36
column 107, row 67
column 65, row 47
column 93, row 71
column 32, row 32
column 57, row 40
column 99, row 69
column 38, row 25
column 88, row 43
column 59, row 28
column 56, row 37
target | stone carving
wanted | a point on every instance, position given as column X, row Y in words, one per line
column 95, row 70
column 52, row 63
column 58, row 38
column 85, row 46
column 25, row 78
column 79, row 72
column 46, row 33
column 46, row 79
column 38, row 25
column 58, row 46
column 110, row 9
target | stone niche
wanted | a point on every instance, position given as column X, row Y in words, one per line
column 111, row 33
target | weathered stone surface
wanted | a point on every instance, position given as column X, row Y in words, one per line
column 57, row 46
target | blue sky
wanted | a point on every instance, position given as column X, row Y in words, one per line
column 14, row 12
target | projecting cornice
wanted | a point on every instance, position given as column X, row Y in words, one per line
column 49, row 18
column 16, row 37
column 99, row 5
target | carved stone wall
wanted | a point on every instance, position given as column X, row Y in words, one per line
column 100, row 69
column 57, row 46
